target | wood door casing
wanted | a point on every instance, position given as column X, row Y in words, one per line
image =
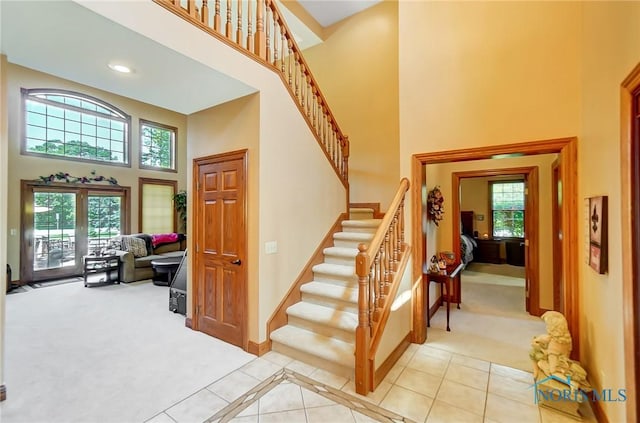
column 220, row 291
column 568, row 151
column 556, row 225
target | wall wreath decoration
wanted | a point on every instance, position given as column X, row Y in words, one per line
column 435, row 205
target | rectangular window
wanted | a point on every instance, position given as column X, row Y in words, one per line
column 157, row 146
column 68, row 124
column 507, row 209
column 157, row 213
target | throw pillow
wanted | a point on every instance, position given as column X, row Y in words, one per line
column 158, row 239
column 147, row 242
column 115, row 243
column 134, row 245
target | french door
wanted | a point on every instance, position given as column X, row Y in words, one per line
column 61, row 223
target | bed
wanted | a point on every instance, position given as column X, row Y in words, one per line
column 467, row 242
column 467, row 247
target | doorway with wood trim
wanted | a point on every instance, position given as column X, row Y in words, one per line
column 566, row 148
column 219, row 275
column 493, row 244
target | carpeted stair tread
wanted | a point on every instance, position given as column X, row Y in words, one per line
column 363, row 223
column 353, row 236
column 338, row 273
column 361, row 209
column 330, row 349
column 329, row 290
column 341, row 252
column 335, row 269
column 340, row 320
column 352, row 239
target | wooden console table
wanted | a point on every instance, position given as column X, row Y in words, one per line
column 445, row 279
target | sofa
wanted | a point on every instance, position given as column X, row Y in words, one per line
column 135, row 259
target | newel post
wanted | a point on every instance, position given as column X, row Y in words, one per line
column 363, row 331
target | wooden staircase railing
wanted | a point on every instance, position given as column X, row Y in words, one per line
column 379, row 267
column 269, row 41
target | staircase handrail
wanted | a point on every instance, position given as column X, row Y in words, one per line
column 378, row 267
column 292, row 67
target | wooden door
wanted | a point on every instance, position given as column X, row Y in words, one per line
column 220, row 236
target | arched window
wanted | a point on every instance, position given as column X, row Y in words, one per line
column 66, row 124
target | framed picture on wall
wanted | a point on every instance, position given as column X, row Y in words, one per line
column 598, row 235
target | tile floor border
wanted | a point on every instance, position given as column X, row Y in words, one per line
column 286, row 375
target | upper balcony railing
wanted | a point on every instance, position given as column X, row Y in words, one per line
column 257, row 28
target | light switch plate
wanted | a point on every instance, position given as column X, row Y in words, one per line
column 271, row 247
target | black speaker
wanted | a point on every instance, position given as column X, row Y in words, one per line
column 178, row 288
column 178, row 301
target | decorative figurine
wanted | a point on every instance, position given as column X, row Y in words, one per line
column 553, row 370
column 433, row 265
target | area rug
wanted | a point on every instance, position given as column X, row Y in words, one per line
column 334, row 395
column 17, row 290
column 45, row 284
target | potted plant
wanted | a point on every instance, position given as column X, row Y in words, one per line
column 180, row 204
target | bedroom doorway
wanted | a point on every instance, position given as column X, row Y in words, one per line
column 504, row 234
column 423, row 235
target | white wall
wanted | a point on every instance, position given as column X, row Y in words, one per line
column 300, row 197
column 359, row 79
column 611, row 50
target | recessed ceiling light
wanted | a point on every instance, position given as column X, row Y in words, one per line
column 119, row 68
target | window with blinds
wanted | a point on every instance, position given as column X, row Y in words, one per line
column 157, row 212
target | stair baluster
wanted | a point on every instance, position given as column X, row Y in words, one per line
column 263, row 34
column 379, row 275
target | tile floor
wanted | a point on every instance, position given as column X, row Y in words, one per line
column 426, row 385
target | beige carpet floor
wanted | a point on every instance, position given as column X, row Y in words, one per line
column 497, row 269
column 491, row 324
column 470, row 276
column 110, row 354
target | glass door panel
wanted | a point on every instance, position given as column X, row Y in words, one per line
column 64, row 223
column 104, row 220
column 54, row 230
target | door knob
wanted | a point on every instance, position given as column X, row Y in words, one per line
column 237, row 262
